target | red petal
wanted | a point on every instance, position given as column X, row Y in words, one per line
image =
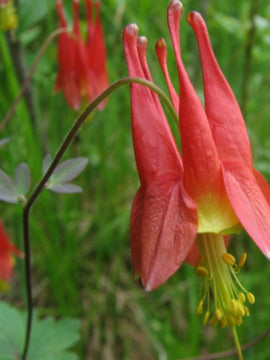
column 88, row 4
column 141, row 50
column 96, row 52
column 248, row 203
column 59, row 7
column 154, row 145
column 82, row 66
column 66, row 51
column 67, row 78
column 265, row 189
column 200, row 157
column 69, row 83
column 164, row 227
column 6, row 251
column 193, row 255
column 224, row 115
column 161, row 51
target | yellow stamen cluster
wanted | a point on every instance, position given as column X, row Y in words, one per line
column 217, row 271
column 8, row 16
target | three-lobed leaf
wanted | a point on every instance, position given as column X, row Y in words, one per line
column 64, row 173
column 69, row 170
column 49, row 340
column 14, row 191
column 22, row 179
column 7, row 188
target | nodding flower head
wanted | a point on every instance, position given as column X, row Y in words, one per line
column 82, row 73
column 189, row 202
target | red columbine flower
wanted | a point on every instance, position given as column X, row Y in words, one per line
column 82, row 71
column 7, row 251
column 185, row 206
column 67, row 78
column 96, row 51
column 163, row 218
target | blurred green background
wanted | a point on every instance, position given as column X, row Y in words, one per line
column 80, row 243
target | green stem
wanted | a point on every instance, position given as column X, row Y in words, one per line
column 237, row 344
column 37, row 190
column 83, row 116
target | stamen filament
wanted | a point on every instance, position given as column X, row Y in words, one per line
column 237, row 344
column 217, row 270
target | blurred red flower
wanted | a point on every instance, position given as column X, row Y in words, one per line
column 3, row 2
column 82, row 73
column 7, row 252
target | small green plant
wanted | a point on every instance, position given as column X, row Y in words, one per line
column 50, row 339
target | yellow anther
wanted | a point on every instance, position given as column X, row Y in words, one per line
column 241, row 297
column 214, row 320
column 238, row 320
column 246, row 311
column 229, row 259
column 250, row 298
column 240, row 311
column 160, row 43
column 218, row 314
column 199, row 261
column 242, row 260
column 231, row 320
column 199, row 308
column 206, row 317
column 201, row 271
column 233, row 307
column 223, row 322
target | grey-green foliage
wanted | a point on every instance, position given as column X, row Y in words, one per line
column 50, row 339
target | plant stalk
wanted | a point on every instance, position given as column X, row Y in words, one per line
column 39, row 187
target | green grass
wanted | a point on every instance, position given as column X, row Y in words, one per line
column 80, row 243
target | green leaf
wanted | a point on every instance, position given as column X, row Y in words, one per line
column 50, row 339
column 65, row 188
column 7, row 188
column 230, row 24
column 46, row 163
column 68, row 170
column 4, row 141
column 22, row 179
column 30, row 12
column 63, row 173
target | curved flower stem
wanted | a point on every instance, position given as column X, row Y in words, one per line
column 237, row 344
column 39, row 187
column 28, row 78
